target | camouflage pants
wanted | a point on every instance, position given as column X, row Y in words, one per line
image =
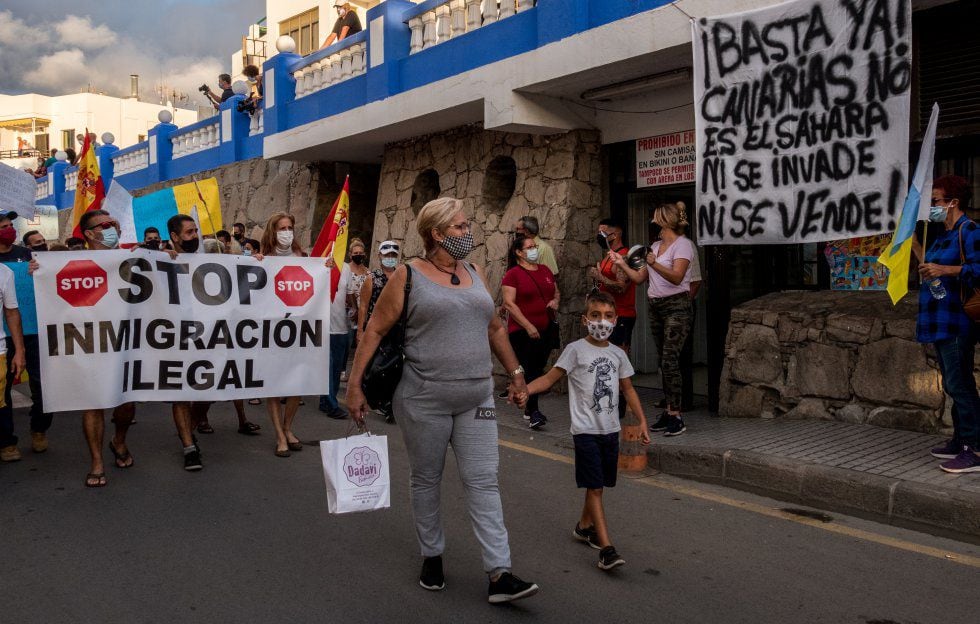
column 670, row 323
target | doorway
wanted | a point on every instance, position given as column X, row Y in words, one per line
column 641, row 204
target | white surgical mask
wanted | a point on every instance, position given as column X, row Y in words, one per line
column 284, row 238
column 110, row 238
column 601, row 330
column 246, row 252
column 389, row 263
column 937, row 214
column 531, row 255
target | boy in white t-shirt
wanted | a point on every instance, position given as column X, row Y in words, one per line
column 598, row 373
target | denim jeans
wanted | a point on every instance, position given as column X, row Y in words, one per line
column 955, row 357
column 40, row 420
column 339, row 345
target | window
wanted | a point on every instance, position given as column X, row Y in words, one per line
column 304, row 29
column 68, row 139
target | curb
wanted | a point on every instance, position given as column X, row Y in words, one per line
column 934, row 509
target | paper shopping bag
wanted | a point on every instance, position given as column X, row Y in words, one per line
column 356, row 473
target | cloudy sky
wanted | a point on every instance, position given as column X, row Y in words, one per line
column 55, row 47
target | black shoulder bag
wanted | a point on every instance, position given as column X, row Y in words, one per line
column 385, row 370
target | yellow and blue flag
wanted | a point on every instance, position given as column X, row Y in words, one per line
column 898, row 255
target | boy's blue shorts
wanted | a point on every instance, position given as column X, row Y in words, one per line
column 596, row 459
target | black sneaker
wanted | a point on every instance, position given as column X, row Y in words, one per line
column 431, row 577
column 661, row 424
column 537, row 420
column 586, row 536
column 675, row 427
column 509, row 588
column 503, row 395
column 192, row 461
column 609, row 558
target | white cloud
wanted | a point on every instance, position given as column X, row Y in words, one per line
column 60, row 72
column 79, row 32
column 15, row 33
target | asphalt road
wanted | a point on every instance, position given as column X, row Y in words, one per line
column 248, row 539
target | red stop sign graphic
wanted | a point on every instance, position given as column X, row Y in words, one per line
column 293, row 285
column 82, row 283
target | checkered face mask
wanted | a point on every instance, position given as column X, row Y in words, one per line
column 458, row 246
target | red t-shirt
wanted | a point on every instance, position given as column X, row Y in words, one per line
column 532, row 301
column 626, row 300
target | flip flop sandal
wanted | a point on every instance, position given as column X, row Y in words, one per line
column 121, row 458
column 255, row 401
column 98, row 477
column 250, row 429
column 205, row 427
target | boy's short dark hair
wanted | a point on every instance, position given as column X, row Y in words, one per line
column 600, row 298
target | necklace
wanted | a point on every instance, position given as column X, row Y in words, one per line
column 453, row 278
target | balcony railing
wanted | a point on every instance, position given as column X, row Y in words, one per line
column 339, row 62
column 131, row 159
column 196, row 138
column 442, row 20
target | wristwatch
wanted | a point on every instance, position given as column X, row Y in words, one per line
column 517, row 371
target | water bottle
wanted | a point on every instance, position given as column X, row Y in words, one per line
column 937, row 289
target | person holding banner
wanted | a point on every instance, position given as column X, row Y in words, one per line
column 953, row 260
column 185, row 238
column 101, row 232
column 669, row 294
column 445, row 395
column 11, row 315
column 279, row 240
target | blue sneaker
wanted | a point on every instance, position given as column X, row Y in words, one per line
column 966, row 461
column 537, row 421
column 947, row 451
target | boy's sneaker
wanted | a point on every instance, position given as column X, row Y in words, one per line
column 609, row 558
column 537, row 421
column 662, row 423
column 966, row 461
column 431, row 577
column 509, row 588
column 675, row 427
column 586, row 536
column 947, row 451
column 192, row 461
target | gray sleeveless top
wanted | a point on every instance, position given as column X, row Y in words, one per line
column 446, row 337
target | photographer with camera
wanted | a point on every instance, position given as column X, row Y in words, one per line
column 254, row 100
column 224, row 83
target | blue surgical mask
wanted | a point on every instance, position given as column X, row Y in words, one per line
column 531, row 255
column 110, row 238
column 246, row 252
column 937, row 214
column 389, row 263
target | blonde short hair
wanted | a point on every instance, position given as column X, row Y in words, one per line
column 671, row 216
column 356, row 242
column 437, row 215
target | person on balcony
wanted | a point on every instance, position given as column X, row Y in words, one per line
column 224, row 83
column 347, row 24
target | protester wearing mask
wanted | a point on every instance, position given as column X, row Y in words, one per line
column 531, row 298
column 250, row 247
column 279, row 239
column 528, row 226
column 950, row 269
column 9, row 250
column 358, row 276
column 446, row 390
column 151, row 239
column 609, row 278
column 370, row 291
column 34, row 241
column 74, row 243
column 339, row 342
column 347, row 23
column 238, row 233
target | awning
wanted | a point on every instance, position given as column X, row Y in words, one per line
column 25, row 124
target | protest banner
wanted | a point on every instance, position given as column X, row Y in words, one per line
column 119, row 204
column 802, row 121
column 665, row 159
column 118, row 326
column 44, row 220
column 17, row 190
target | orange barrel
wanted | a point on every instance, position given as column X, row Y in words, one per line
column 632, row 453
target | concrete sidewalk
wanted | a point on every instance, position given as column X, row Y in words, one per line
column 885, row 474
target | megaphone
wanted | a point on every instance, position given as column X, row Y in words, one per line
column 637, row 256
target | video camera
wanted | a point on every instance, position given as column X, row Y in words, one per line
column 247, row 105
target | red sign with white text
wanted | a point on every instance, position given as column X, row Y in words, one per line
column 666, row 159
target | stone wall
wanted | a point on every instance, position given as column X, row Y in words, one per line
column 501, row 177
column 847, row 356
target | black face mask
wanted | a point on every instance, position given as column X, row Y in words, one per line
column 190, row 246
column 357, row 259
column 152, row 244
column 239, row 237
column 41, row 247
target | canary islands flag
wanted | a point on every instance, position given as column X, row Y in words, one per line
column 898, row 255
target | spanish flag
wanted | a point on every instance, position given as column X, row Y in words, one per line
column 332, row 240
column 898, row 255
column 89, row 191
